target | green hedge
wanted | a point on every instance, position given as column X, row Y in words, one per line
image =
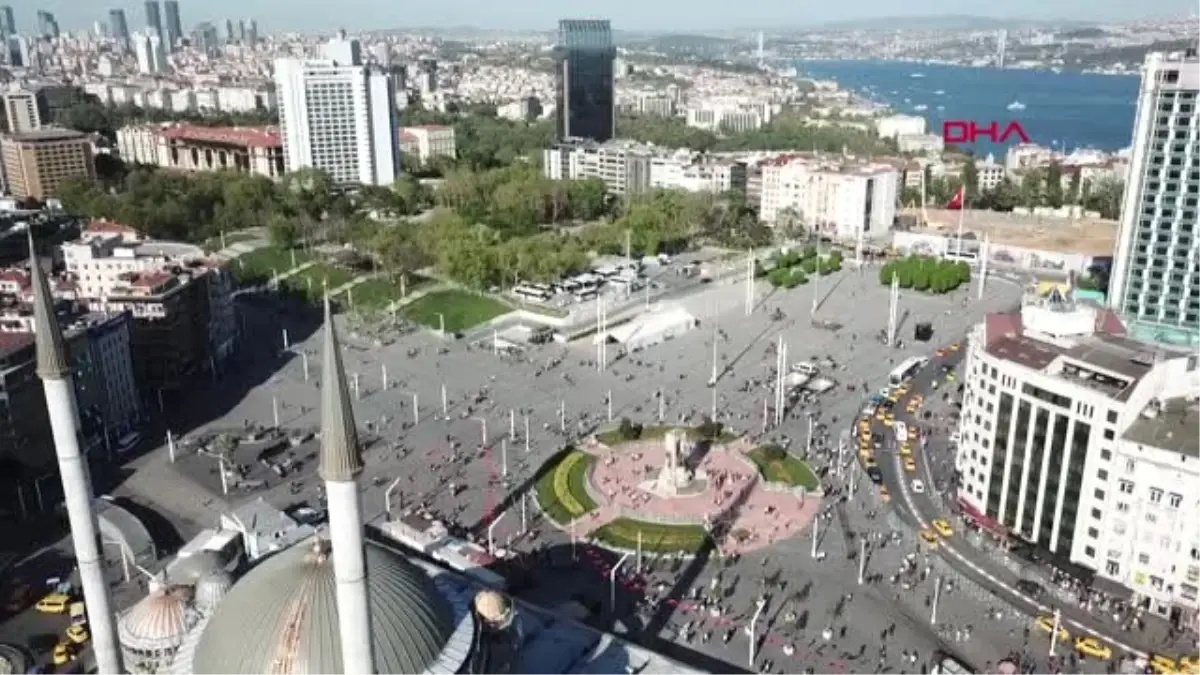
column 775, row 465
column 562, row 490
column 656, row 537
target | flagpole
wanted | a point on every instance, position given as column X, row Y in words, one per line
column 962, row 210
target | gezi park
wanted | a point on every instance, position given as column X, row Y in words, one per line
column 671, row 490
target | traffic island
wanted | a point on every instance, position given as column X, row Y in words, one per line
column 630, row 534
column 562, row 492
column 776, row 465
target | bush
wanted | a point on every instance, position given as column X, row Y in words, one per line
column 774, row 453
column 628, row 430
column 710, row 430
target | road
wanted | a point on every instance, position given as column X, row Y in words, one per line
column 996, row 570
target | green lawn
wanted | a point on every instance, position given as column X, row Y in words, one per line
column 461, row 310
column 376, row 294
column 562, row 491
column 656, row 537
column 261, row 264
column 788, row 470
column 613, row 437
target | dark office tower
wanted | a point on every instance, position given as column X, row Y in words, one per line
column 241, row 32
column 174, row 27
column 154, row 19
column 120, row 28
column 47, row 25
column 230, row 35
column 8, row 25
column 251, row 32
column 585, row 55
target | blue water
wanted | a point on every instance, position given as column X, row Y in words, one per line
column 1063, row 110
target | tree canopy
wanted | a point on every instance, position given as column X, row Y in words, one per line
column 788, row 131
column 930, row 275
column 92, row 116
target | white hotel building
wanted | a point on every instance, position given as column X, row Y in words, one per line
column 337, row 115
column 1080, row 441
column 842, row 198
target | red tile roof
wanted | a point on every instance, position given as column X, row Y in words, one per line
column 250, row 137
column 15, row 276
column 11, row 342
column 152, row 279
column 108, row 227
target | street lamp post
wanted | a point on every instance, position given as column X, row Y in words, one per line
column 504, row 457
column 275, row 411
column 527, row 433
column 512, row 424
column 1056, row 628
column 441, row 324
column 816, row 527
column 612, row 584
column 608, row 401
column 862, row 561
column 170, row 444
column 304, row 363
column 416, row 408
column 387, row 497
column 758, row 610
column 937, row 592
column 491, row 528
column 445, row 403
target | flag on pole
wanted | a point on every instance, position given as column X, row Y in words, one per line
column 956, row 202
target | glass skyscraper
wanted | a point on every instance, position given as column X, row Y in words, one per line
column 585, row 101
column 174, row 26
column 154, row 19
column 1155, row 281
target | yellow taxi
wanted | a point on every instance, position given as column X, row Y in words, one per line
column 941, row 352
column 880, row 414
column 930, row 538
column 1189, row 665
column 943, row 528
column 869, row 463
column 1163, row 665
column 885, row 495
column 866, row 455
column 864, row 427
column 902, row 390
column 889, row 420
column 954, row 347
column 950, row 376
column 906, row 450
column 78, row 633
column 1045, row 623
column 1093, row 648
column 55, row 603
column 910, row 465
column 64, row 653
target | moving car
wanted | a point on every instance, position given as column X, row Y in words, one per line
column 78, row 633
column 55, row 603
column 910, row 465
column 943, row 528
column 885, row 495
column 1045, row 623
column 1163, row 665
column 64, row 653
column 906, row 450
column 1031, row 588
column 1093, row 648
column 918, row 486
column 930, row 538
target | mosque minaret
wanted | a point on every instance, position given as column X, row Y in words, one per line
column 341, row 463
column 55, row 373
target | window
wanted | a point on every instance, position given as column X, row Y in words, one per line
column 1099, row 494
column 1109, row 434
column 1089, row 551
column 1129, row 466
column 1144, row 558
column 1122, row 507
column 1112, row 416
column 1112, row 568
column 1152, row 518
column 1125, row 487
column 1156, row 495
column 1175, row 500
column 1105, row 454
column 1093, row 532
column 1102, row 474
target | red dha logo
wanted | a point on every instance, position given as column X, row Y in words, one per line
column 967, row 132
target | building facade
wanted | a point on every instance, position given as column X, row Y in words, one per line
column 1073, row 439
column 340, row 118
column 35, row 163
column 174, row 27
column 624, row 166
column 154, row 18
column 1155, row 281
column 186, row 147
column 586, row 103
column 841, row 199
column 429, row 141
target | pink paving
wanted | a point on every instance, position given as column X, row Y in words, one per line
column 768, row 516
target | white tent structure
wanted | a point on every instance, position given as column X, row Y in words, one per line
column 647, row 330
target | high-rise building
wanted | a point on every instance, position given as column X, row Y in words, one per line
column 208, row 39
column 241, row 31
column 8, row 24
column 151, row 56
column 174, row 26
column 154, row 18
column 36, row 162
column 119, row 26
column 23, row 111
column 586, row 105
column 230, row 36
column 47, row 25
column 251, row 32
column 339, row 117
column 1155, row 280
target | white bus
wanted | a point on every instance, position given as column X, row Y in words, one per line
column 905, row 371
column 532, row 292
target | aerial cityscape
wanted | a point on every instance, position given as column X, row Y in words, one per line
column 868, row 346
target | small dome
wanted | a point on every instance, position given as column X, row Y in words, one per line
column 211, row 589
column 158, row 621
column 493, row 607
column 281, row 617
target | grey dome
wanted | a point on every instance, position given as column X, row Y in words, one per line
column 282, row 617
column 211, row 589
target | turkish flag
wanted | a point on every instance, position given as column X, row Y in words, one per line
column 956, row 202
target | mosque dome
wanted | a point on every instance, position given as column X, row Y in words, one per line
column 158, row 622
column 494, row 608
column 211, row 589
column 282, row 617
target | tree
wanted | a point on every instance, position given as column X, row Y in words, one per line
column 283, row 231
column 970, row 178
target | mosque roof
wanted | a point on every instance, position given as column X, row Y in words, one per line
column 282, row 617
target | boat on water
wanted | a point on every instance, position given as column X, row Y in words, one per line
column 939, row 92
column 941, row 107
column 1016, row 105
column 920, row 107
column 917, row 76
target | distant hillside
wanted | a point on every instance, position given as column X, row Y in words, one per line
column 938, row 22
column 1126, row 55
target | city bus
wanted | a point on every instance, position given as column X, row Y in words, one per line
column 906, row 370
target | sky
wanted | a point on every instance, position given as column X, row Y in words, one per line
column 325, row 16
